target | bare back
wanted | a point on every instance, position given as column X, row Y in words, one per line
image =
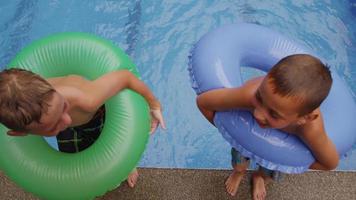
column 74, row 89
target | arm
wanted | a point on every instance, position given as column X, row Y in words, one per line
column 323, row 149
column 221, row 99
column 227, row 98
column 111, row 83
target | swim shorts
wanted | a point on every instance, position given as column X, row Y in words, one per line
column 76, row 139
column 237, row 158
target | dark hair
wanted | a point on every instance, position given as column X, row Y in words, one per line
column 302, row 77
column 23, row 98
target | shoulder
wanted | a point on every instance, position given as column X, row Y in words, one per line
column 70, row 80
column 75, row 77
column 252, row 85
column 313, row 129
column 249, row 88
column 77, row 98
column 76, row 81
column 255, row 81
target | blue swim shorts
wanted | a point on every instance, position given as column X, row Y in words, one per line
column 237, row 158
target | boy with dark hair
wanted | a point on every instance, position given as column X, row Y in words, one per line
column 70, row 107
column 287, row 98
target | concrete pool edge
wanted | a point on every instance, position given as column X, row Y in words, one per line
column 209, row 184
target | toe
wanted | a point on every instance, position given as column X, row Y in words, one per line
column 130, row 183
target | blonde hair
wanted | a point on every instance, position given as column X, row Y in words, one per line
column 23, row 98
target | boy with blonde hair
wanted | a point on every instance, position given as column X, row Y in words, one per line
column 70, row 107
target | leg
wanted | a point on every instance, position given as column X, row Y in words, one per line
column 239, row 165
column 132, row 178
column 260, row 179
column 258, row 185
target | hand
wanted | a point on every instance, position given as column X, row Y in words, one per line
column 156, row 119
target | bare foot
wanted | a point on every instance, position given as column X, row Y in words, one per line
column 232, row 183
column 132, row 178
column 258, row 187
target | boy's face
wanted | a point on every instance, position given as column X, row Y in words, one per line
column 273, row 111
column 53, row 121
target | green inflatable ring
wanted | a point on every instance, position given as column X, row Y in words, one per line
column 31, row 163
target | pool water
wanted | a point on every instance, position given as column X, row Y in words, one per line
column 158, row 36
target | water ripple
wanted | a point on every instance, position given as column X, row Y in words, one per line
column 15, row 31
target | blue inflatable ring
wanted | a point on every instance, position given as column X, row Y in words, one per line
column 215, row 62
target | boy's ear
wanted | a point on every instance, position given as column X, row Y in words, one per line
column 307, row 118
column 311, row 116
column 16, row 133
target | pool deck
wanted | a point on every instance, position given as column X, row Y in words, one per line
column 209, row 184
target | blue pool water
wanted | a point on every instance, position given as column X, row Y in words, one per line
column 158, row 36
